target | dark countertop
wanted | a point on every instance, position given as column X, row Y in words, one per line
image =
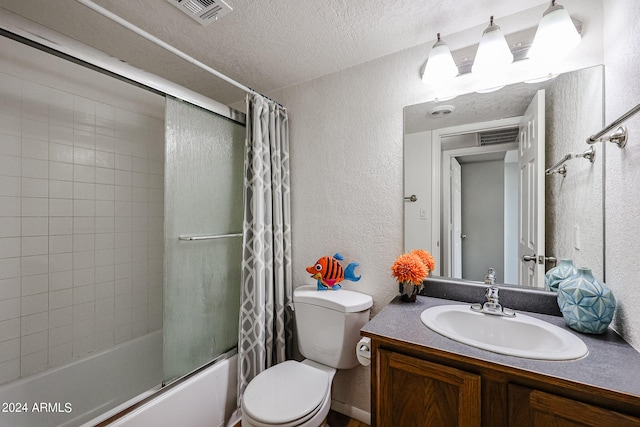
column 612, row 364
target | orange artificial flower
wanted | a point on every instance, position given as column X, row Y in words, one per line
column 426, row 258
column 409, row 268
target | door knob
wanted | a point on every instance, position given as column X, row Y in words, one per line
column 411, row 198
column 527, row 258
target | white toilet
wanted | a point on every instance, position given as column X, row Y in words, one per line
column 299, row 393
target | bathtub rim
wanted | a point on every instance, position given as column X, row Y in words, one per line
column 166, row 388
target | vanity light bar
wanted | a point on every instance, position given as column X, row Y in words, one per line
column 519, row 42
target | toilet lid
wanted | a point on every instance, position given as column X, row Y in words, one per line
column 285, row 392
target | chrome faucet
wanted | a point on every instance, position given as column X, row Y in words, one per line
column 490, row 278
column 491, row 294
column 492, row 304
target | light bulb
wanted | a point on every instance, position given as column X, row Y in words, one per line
column 555, row 37
column 440, row 65
column 493, row 55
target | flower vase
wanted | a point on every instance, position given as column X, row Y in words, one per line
column 587, row 305
column 408, row 291
column 555, row 275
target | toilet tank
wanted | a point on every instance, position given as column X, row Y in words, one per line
column 328, row 324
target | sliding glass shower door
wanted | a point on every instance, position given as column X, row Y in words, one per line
column 202, row 241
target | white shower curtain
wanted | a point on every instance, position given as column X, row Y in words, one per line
column 265, row 331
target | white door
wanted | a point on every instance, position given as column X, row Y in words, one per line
column 531, row 195
column 456, row 219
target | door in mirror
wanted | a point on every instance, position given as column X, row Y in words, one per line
column 531, row 194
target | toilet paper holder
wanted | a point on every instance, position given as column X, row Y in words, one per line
column 363, row 351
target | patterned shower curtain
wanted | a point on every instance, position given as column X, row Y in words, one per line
column 265, row 333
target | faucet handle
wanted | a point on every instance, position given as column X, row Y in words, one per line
column 492, row 294
column 492, row 305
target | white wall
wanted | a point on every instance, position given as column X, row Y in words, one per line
column 347, row 171
column 81, row 216
column 511, row 217
column 622, row 187
column 573, row 112
column 347, row 185
column 417, row 154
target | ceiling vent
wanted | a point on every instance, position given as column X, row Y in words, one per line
column 203, row 11
column 498, row 136
column 441, row 110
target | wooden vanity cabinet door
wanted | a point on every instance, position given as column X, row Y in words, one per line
column 535, row 408
column 413, row 392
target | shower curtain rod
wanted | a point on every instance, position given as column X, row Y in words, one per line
column 123, row 22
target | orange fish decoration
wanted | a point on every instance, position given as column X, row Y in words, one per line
column 329, row 272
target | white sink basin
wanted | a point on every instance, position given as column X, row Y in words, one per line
column 521, row 336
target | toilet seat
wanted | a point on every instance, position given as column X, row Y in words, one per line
column 313, row 419
column 287, row 394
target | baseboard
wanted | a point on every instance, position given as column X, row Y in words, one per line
column 351, row 412
column 236, row 419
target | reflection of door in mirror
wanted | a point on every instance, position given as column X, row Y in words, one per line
column 531, row 203
column 457, row 236
column 481, row 150
column 492, row 239
column 482, row 218
column 480, row 211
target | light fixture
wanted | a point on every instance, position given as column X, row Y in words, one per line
column 535, row 54
column 493, row 55
column 556, row 35
column 440, row 65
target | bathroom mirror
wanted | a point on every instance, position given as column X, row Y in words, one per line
column 463, row 180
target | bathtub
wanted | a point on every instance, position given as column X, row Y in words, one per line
column 204, row 399
column 80, row 391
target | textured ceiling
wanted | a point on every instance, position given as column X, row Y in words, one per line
column 510, row 101
column 263, row 44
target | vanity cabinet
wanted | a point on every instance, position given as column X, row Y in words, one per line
column 413, row 385
column 534, row 408
column 411, row 390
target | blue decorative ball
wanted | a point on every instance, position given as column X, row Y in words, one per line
column 587, row 305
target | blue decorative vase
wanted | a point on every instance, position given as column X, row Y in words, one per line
column 586, row 304
column 555, row 275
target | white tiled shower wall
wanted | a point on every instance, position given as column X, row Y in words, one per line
column 81, row 220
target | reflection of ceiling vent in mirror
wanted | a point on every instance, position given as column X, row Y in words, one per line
column 203, row 11
column 498, row 136
column 441, row 110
